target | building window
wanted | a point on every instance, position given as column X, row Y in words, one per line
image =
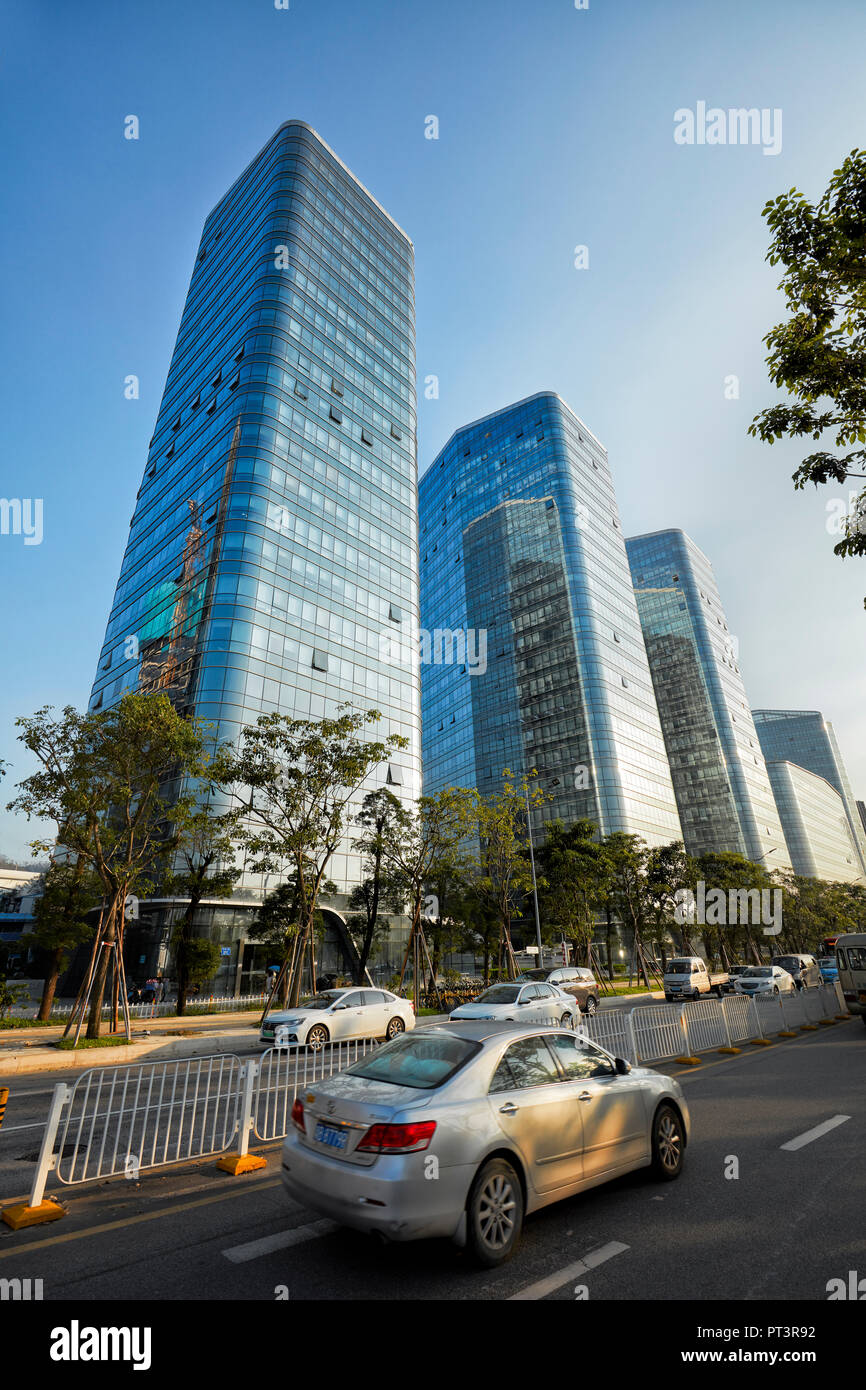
column 624, row 681
column 218, row 378
column 169, row 451
column 395, row 433
column 197, row 402
column 211, row 408
column 320, row 660
column 239, row 355
column 299, row 390
column 336, row 415
column 395, row 775
column 176, row 425
column 336, row 387
column 395, row 614
column 616, row 637
column 366, row 438
column 233, row 384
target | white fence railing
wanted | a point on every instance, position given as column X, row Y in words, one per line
column 214, row 1003
column 282, row 1072
column 120, row 1120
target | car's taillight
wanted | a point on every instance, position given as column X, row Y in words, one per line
column 397, row 1139
column 298, row 1115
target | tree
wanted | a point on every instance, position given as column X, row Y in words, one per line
column 627, row 893
column 421, row 838
column 294, row 780
column 819, row 354
column 670, row 872
column 732, row 872
column 204, row 867
column 378, row 818
column 120, row 785
column 500, row 873
column 69, row 892
column 10, row 995
column 276, row 926
column 574, row 874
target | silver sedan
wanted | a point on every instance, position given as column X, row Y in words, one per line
column 463, row 1129
column 522, row 1003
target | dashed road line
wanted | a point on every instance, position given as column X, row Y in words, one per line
column 543, row 1287
column 816, row 1133
column 280, row 1240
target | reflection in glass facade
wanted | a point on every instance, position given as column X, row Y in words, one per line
column 805, row 737
column 723, row 791
column 274, row 537
column 815, row 824
column 522, row 556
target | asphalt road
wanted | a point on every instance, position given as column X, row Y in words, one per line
column 787, row 1224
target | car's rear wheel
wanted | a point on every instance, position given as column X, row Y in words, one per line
column 318, row 1037
column 668, row 1143
column 591, row 1005
column 494, row 1213
column 396, row 1026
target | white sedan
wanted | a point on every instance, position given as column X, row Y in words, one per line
column 336, row 1014
column 523, row 1003
column 765, row 979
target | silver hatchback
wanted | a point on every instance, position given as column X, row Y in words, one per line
column 463, row 1129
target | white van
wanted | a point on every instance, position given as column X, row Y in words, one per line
column 686, row 977
column 851, row 962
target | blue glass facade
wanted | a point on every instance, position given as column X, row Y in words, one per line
column 274, row 538
column 720, row 777
column 805, row 737
column 543, row 666
column 815, row 825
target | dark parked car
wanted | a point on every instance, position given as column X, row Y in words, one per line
column 576, row 980
column 805, row 970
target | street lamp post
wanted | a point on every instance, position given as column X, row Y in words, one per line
column 534, row 884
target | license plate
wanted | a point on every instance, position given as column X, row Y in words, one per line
column 334, row 1138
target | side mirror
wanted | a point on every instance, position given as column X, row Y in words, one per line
column 526, row 1001
column 622, row 1066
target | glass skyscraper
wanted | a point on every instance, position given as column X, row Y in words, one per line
column 723, row 791
column 274, row 535
column 815, row 824
column 532, row 651
column 805, row 737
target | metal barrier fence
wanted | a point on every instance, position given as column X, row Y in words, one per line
column 152, row 1114
column 216, row 1003
column 282, row 1072
column 613, row 1030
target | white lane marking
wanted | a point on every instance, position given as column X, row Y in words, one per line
column 239, row 1254
column 815, row 1133
column 10, row 1129
column 555, row 1281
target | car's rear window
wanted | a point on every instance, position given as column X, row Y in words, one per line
column 422, row 1061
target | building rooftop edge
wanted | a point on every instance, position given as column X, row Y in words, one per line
column 503, row 410
column 305, row 125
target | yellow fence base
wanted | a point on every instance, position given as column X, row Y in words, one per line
column 237, row 1164
column 20, row 1216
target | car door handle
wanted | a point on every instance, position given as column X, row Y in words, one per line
column 508, row 1109
column 585, row 1095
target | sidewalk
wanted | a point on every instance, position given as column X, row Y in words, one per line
column 153, row 1040
column 26, row 1050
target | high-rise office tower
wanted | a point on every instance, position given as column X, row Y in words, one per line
column 815, row 824
column 805, row 737
column 274, row 535
column 532, row 652
column 723, row 792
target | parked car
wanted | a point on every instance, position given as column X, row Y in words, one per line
column 734, row 974
column 576, row 980
column 804, row 970
column 687, row 977
column 522, row 1003
column 335, row 1014
column 766, row 979
column 509, row 1120
column 829, row 969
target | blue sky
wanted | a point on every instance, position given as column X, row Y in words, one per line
column 555, row 130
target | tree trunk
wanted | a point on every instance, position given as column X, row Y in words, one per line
column 50, row 986
column 98, row 993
